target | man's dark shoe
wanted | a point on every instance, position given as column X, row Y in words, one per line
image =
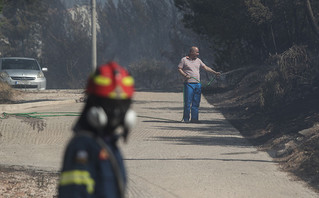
column 195, row 121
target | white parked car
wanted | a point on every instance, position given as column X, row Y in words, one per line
column 22, row 73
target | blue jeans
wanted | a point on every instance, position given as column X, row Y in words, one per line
column 192, row 95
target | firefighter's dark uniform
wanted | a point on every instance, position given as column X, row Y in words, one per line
column 87, row 169
column 93, row 165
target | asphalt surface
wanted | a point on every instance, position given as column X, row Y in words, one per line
column 164, row 157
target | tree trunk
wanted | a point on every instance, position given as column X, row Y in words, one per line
column 312, row 18
column 273, row 38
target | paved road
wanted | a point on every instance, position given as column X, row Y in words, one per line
column 164, row 157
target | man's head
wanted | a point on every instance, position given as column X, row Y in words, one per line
column 110, row 90
column 193, row 52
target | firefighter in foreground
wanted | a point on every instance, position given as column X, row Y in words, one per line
column 93, row 165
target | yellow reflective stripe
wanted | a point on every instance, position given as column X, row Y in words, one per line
column 128, row 81
column 78, row 177
column 103, row 81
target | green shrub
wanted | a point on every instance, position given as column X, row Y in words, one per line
column 271, row 92
column 152, row 74
column 284, row 84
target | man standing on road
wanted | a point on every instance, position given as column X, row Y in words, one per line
column 93, row 165
column 189, row 68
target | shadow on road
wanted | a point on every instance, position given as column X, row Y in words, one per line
column 198, row 159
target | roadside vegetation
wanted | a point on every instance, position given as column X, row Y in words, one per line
column 282, row 34
column 150, row 74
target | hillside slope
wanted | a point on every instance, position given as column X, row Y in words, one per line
column 289, row 133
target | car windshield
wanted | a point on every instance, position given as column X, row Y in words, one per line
column 19, row 64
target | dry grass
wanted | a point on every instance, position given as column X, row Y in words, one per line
column 6, row 93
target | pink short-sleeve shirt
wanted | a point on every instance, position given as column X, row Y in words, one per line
column 191, row 67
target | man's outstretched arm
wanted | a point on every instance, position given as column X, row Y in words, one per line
column 211, row 70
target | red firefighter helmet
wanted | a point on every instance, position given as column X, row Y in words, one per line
column 111, row 81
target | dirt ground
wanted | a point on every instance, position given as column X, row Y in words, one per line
column 290, row 134
column 19, row 182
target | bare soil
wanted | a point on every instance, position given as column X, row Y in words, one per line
column 17, row 182
column 24, row 182
column 289, row 133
